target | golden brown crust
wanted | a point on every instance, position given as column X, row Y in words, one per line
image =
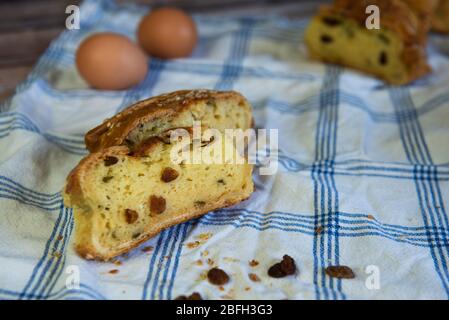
column 115, row 130
column 440, row 18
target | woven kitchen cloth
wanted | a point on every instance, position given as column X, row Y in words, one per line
column 362, row 179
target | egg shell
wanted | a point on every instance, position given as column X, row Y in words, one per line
column 111, row 61
column 167, row 33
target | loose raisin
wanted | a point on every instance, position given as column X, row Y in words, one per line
column 254, row 277
column 340, row 272
column 169, row 174
column 254, row 263
column 131, row 216
column 157, row 204
column 284, row 268
column 193, row 296
column 109, row 161
column 217, row 276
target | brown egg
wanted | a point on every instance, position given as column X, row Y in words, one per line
column 111, row 61
column 167, row 33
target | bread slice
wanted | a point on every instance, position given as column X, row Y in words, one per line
column 440, row 18
column 396, row 52
column 215, row 109
column 122, row 198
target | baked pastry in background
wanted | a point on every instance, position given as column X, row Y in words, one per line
column 396, row 52
column 215, row 109
column 440, row 19
column 122, row 198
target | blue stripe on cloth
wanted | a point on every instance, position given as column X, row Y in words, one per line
column 27, row 202
column 184, row 233
column 310, row 103
column 168, row 262
column 53, row 258
column 418, row 154
column 49, row 202
column 58, row 264
column 84, row 292
column 15, row 186
column 152, row 265
column 233, row 67
column 325, row 192
column 308, row 220
column 163, row 258
column 354, row 225
column 51, row 242
column 18, row 121
column 170, row 269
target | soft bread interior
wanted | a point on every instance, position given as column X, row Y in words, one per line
column 128, row 198
column 343, row 41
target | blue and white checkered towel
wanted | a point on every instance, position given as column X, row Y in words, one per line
column 364, row 164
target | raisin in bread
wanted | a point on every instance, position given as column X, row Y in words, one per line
column 396, row 52
column 122, row 197
column 440, row 18
column 215, row 109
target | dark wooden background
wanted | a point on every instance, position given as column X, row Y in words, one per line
column 28, row 26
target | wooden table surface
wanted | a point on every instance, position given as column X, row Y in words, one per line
column 27, row 26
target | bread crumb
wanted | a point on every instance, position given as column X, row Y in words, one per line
column 114, row 271
column 204, row 236
column 254, row 277
column 247, row 288
column 117, row 262
column 199, row 262
column 253, row 263
column 59, row 238
column 147, row 249
column 203, row 275
column 370, row 217
column 205, row 253
column 319, row 230
column 192, row 245
column 57, row 254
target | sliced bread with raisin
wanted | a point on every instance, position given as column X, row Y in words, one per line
column 396, row 52
column 123, row 197
column 215, row 109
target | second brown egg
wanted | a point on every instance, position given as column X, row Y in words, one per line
column 167, row 33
